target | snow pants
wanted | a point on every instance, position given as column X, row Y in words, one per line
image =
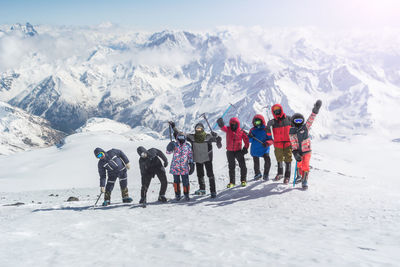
column 283, row 154
column 146, row 180
column 304, row 164
column 177, row 184
column 238, row 155
column 210, row 174
column 267, row 164
column 123, row 183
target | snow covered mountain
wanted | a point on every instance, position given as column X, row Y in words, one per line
column 68, row 75
column 22, row 131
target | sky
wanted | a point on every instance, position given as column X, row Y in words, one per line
column 206, row 14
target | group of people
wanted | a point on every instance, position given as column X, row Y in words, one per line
column 288, row 134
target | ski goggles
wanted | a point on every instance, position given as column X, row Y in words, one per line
column 257, row 122
column 298, row 121
column 199, row 129
column 277, row 111
column 100, row 155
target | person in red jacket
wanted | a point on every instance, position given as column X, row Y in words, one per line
column 280, row 127
column 234, row 138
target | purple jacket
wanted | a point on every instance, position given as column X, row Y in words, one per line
column 181, row 158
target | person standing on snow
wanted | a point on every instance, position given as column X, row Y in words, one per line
column 181, row 165
column 234, row 138
column 301, row 143
column 202, row 155
column 258, row 149
column 150, row 165
column 280, row 127
column 115, row 164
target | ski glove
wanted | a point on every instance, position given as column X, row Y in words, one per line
column 214, row 134
column 165, row 164
column 245, row 151
column 317, row 106
column 296, row 155
column 219, row 142
column 102, row 189
column 220, row 122
column 191, row 168
column 171, row 146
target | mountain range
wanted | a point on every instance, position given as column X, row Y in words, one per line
column 68, row 75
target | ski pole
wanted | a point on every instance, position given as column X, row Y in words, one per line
column 170, row 135
column 205, row 118
column 270, row 128
column 97, row 199
column 295, row 175
column 258, row 140
column 223, row 115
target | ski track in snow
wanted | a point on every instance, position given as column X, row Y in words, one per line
column 350, row 216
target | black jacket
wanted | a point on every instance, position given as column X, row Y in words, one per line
column 113, row 163
column 151, row 165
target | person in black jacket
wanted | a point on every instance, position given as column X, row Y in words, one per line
column 150, row 165
column 115, row 164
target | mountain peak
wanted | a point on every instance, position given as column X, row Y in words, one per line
column 27, row 29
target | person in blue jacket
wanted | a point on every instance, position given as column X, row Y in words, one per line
column 115, row 164
column 260, row 141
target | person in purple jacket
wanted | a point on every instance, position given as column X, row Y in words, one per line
column 181, row 165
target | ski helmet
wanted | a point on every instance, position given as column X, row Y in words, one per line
column 297, row 120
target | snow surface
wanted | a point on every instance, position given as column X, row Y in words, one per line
column 350, row 216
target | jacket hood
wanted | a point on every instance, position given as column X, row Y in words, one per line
column 259, row 116
column 98, row 150
column 282, row 114
column 141, row 149
column 235, row 120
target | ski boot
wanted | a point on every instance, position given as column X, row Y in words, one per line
column 142, row 200
column 162, row 198
column 178, row 197
column 299, row 179
column 127, row 200
column 280, row 172
column 106, row 203
column 230, row 185
column 200, row 192
column 257, row 177
column 243, row 183
column 265, row 177
column 287, row 172
column 304, row 183
column 213, row 194
column 187, row 198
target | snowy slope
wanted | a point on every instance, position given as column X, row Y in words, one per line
column 144, row 79
column 21, row 131
column 350, row 216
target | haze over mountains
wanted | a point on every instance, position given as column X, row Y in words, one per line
column 67, row 75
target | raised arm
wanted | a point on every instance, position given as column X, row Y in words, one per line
column 314, row 113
